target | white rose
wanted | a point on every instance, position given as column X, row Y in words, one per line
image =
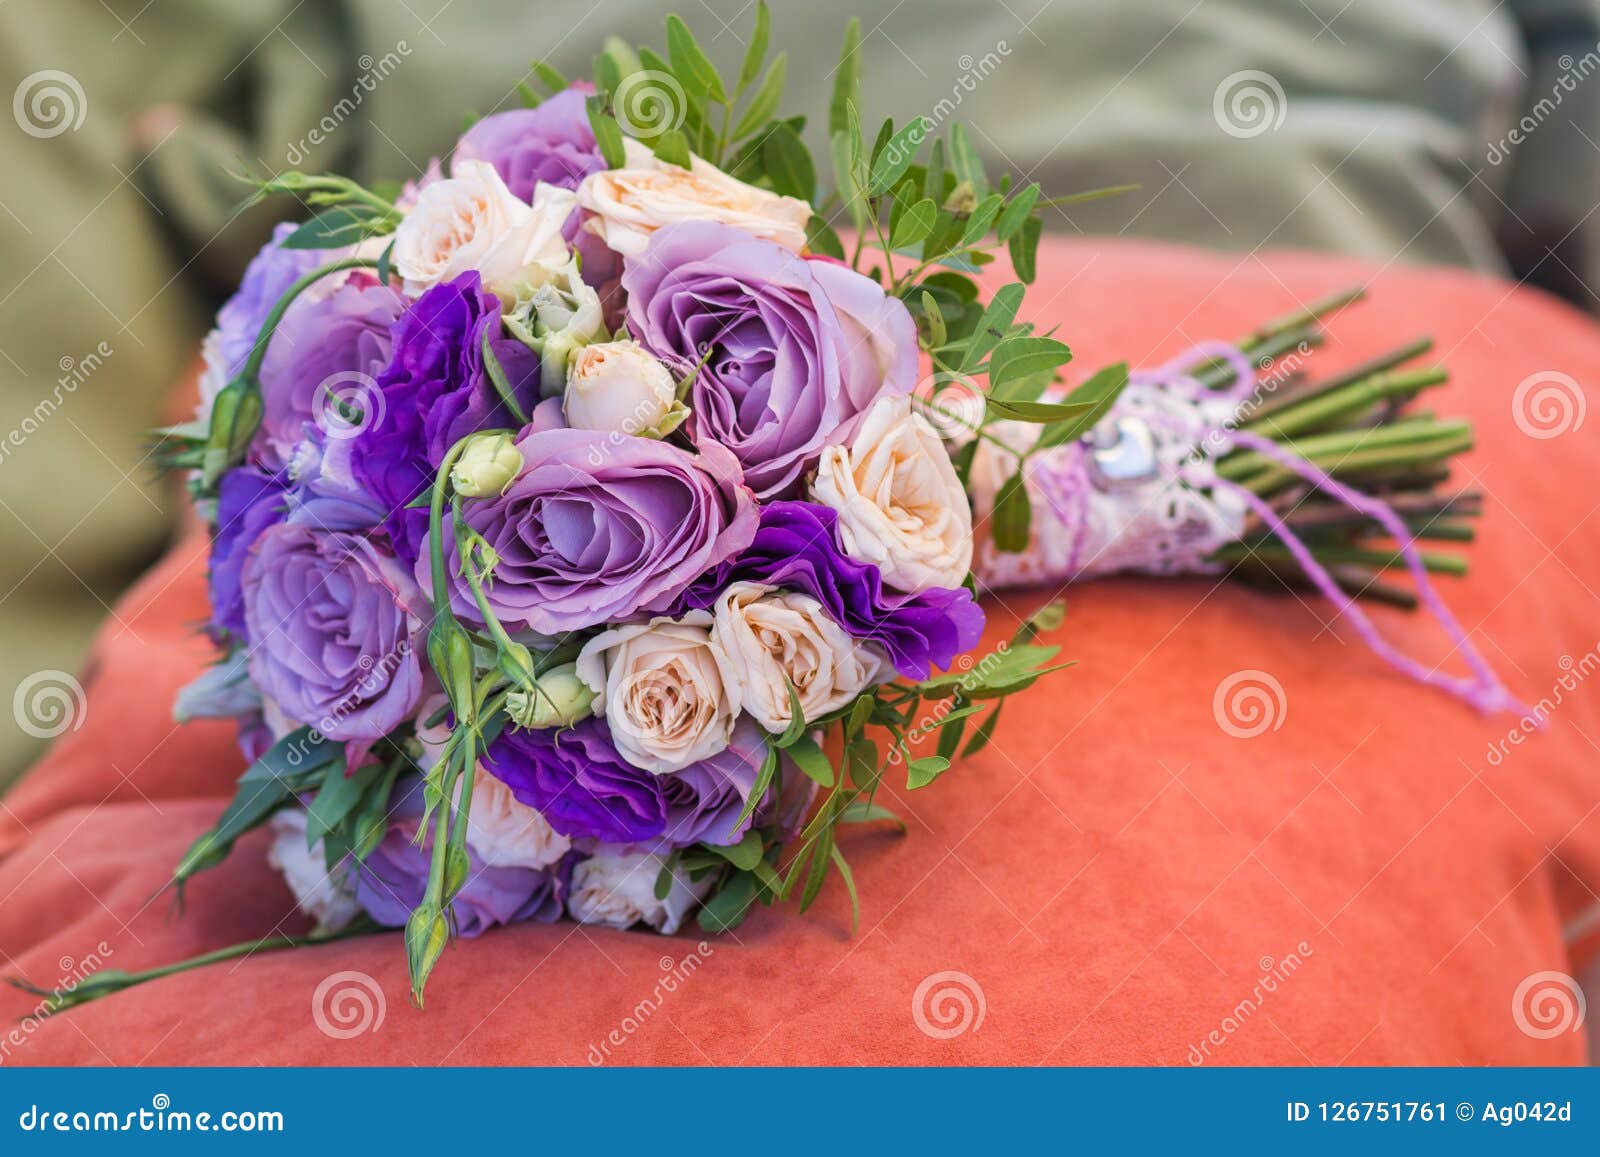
column 617, row 387
column 472, row 221
column 328, row 898
column 664, row 689
column 901, row 506
column 627, row 205
column 507, row 833
column 775, row 639
column 618, row 890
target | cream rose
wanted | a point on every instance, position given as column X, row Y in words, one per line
column 627, row 205
column 507, row 833
column 901, row 506
column 775, row 639
column 327, row 897
column 617, row 387
column 472, row 221
column 664, row 689
column 618, row 890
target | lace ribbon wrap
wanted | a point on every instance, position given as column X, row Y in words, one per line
column 1141, row 495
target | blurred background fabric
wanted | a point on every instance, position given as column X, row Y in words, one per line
column 1458, row 132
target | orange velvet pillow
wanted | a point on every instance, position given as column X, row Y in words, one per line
column 1116, row 879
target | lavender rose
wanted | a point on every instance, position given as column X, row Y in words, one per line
column 389, row 883
column 790, row 352
column 797, row 548
column 552, row 143
column 330, row 619
column 599, row 527
column 248, row 502
column 270, row 273
column 435, row 390
column 325, row 349
column 576, row 779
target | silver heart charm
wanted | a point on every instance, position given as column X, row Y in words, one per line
column 1122, row 452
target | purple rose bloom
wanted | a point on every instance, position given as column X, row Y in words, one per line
column 793, row 351
column 704, row 799
column 391, row 880
column 270, row 273
column 330, row 620
column 248, row 502
column 575, row 777
column 326, row 349
column 552, row 143
column 599, row 527
column 325, row 493
column 797, row 547
column 434, row 391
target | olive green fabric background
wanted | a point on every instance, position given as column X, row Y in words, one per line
column 119, row 227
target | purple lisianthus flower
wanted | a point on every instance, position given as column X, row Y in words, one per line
column 249, row 501
column 268, row 276
column 797, row 548
column 789, row 352
column 434, row 391
column 390, row 882
column 325, row 493
column 332, row 625
column 326, row 349
column 704, row 799
column 576, row 779
column 599, row 527
column 552, row 143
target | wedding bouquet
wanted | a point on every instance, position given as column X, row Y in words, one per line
column 590, row 523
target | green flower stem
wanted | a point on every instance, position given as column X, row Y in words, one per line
column 1382, row 363
column 1410, row 441
column 1328, row 408
column 258, row 352
column 1334, row 555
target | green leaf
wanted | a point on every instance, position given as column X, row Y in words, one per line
column 849, row 878
column 1099, row 393
column 896, row 156
column 758, row 791
column 861, row 762
column 982, row 217
column 757, row 51
column 385, row 264
column 337, row 798
column 980, row 738
column 847, row 80
column 1024, row 250
column 964, row 160
column 850, row 191
column 922, row 772
column 811, row 759
column 992, row 327
column 550, row 75
column 745, row 854
column 340, row 226
column 820, row 238
column 788, row 163
column 689, row 63
column 498, row 378
column 1017, row 212
column 1038, row 412
column 1013, row 515
column 797, row 720
column 607, row 132
column 673, row 148
column 728, row 907
column 607, row 73
column 663, row 885
column 937, row 333
column 862, row 812
column 914, row 225
column 1024, row 357
column 765, row 101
